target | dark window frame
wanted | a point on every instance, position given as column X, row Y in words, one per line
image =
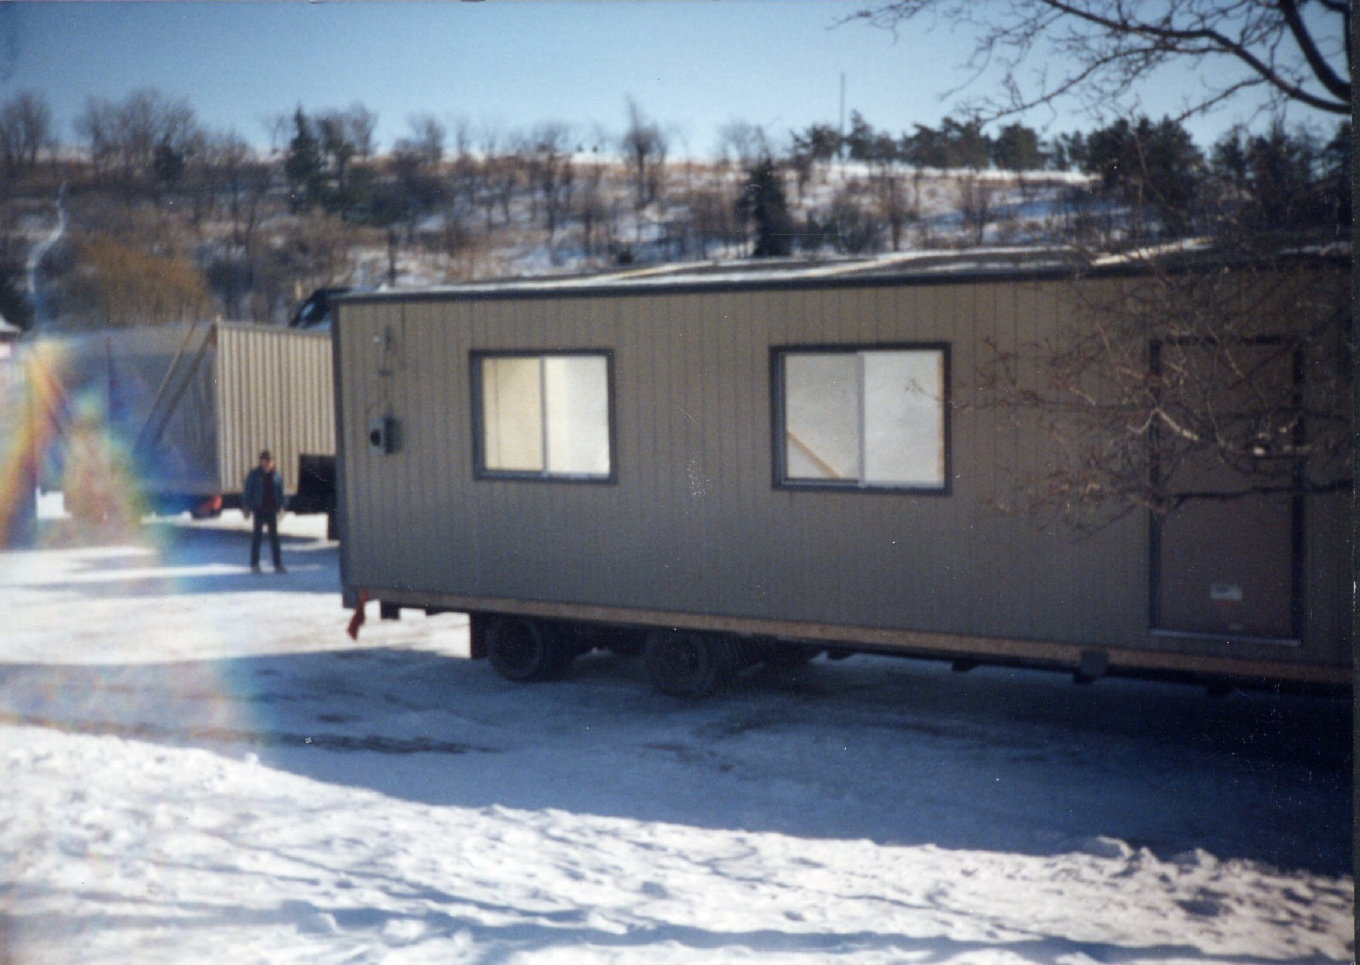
column 479, row 467
column 778, row 423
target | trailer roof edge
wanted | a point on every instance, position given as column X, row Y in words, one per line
column 779, row 278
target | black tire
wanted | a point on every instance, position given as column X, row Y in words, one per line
column 526, row 650
column 683, row 663
column 791, row 654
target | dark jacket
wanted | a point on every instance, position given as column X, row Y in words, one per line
column 253, row 496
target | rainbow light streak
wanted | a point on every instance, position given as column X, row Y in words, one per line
column 25, row 387
column 67, row 431
column 116, row 621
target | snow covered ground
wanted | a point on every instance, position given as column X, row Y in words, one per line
column 198, row 765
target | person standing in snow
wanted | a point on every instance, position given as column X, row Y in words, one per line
column 263, row 497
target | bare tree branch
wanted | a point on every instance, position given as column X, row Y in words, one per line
column 1183, row 384
column 1339, row 87
column 1111, row 45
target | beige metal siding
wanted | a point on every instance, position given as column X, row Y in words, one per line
column 273, row 389
column 694, row 522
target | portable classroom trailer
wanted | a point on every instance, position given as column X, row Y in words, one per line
column 716, row 468
column 186, row 409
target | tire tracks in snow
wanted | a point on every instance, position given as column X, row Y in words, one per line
column 145, row 731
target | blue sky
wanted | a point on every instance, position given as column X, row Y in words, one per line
column 692, row 65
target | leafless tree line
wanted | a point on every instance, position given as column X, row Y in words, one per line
column 251, row 219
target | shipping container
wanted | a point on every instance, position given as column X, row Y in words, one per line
column 180, row 413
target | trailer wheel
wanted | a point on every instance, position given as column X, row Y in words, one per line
column 527, row 650
column 789, row 655
column 684, row 663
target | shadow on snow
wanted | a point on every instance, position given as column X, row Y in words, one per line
column 893, row 751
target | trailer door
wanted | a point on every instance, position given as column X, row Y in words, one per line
column 1227, row 563
column 1228, row 569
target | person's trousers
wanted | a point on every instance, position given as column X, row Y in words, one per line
column 266, row 521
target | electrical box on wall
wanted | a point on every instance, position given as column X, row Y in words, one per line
column 382, row 434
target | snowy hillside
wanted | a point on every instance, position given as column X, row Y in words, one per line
column 200, row 766
column 937, row 210
column 81, row 260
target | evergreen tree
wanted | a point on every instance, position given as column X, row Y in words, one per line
column 1153, row 167
column 861, row 140
column 966, row 145
column 1016, row 148
column 1067, row 152
column 340, row 192
column 1337, row 171
column 819, row 142
column 1281, row 180
column 302, row 165
column 925, row 148
column 764, row 203
column 1284, row 172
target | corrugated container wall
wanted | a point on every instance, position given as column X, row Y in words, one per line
column 194, row 404
column 274, row 390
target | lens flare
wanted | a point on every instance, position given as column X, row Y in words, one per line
column 22, row 436
column 59, row 433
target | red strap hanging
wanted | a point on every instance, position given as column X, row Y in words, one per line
column 356, row 621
